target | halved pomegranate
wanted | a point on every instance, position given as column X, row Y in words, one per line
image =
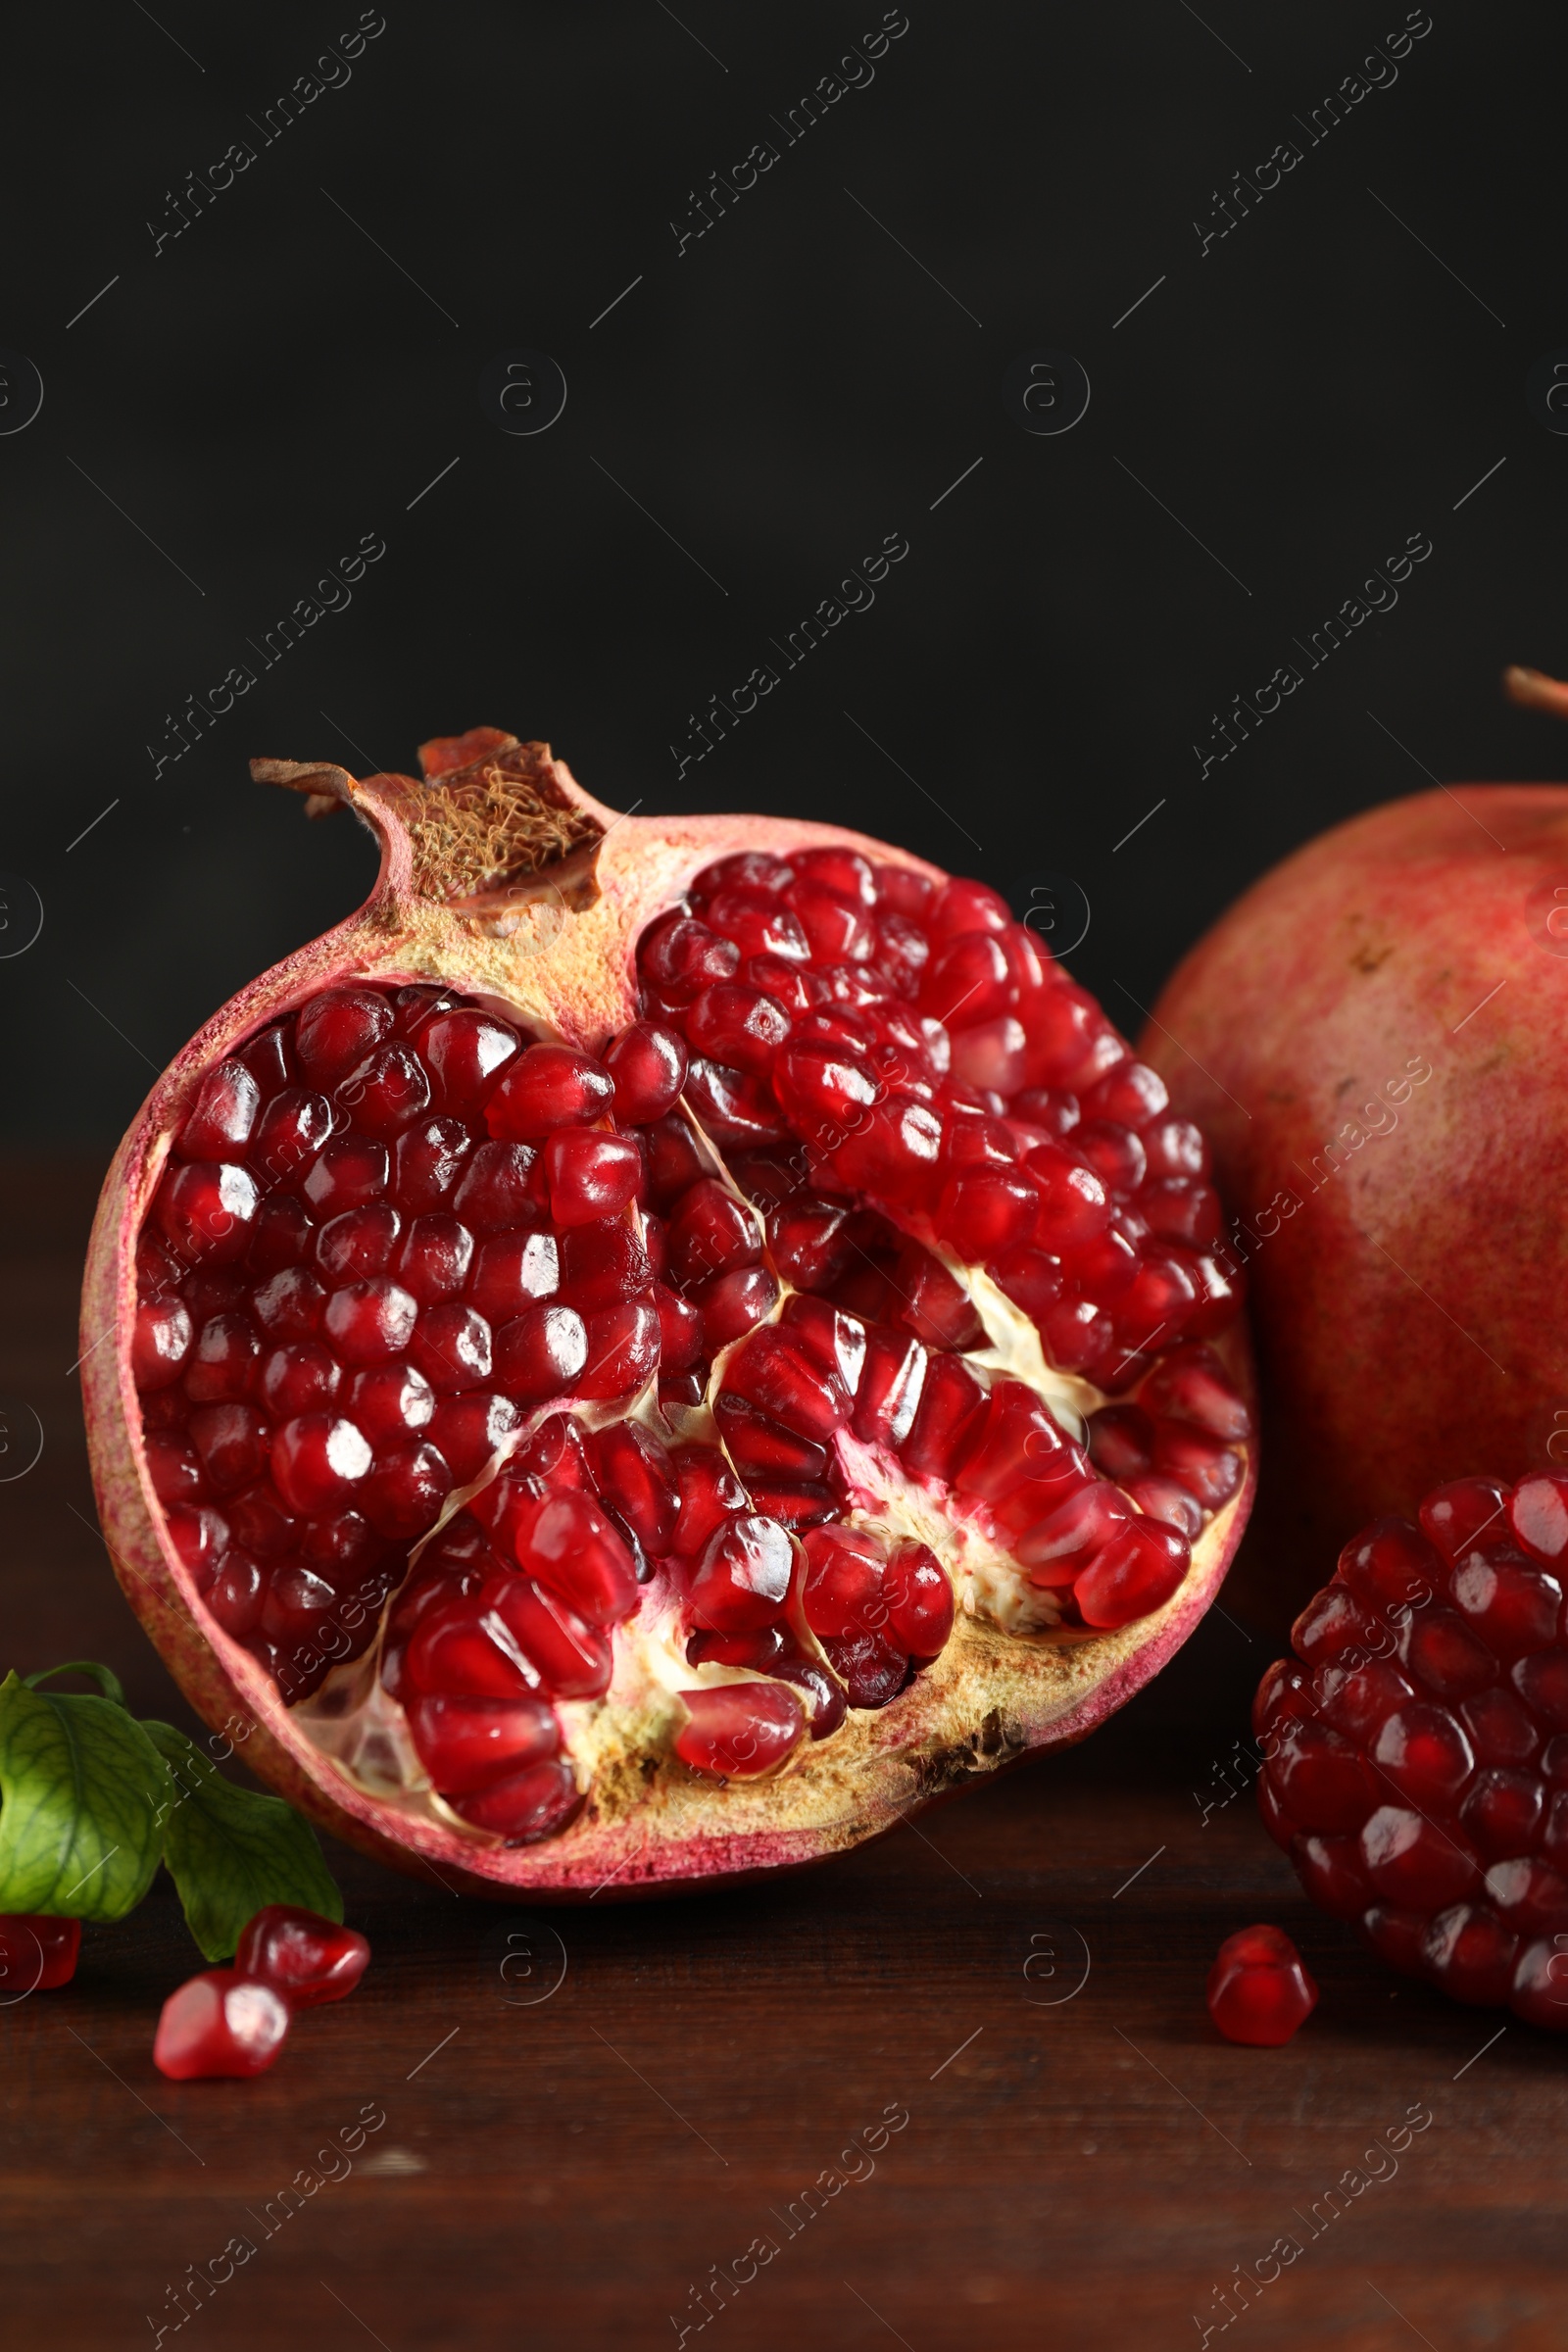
column 656, row 1345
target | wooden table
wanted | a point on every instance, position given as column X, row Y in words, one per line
column 593, row 2118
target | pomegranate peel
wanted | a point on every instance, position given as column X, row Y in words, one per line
column 1345, row 1033
column 555, row 1543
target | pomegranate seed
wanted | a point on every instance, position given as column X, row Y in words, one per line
column 317, row 1461
column 206, row 1208
column 680, row 955
column 160, row 1345
column 219, row 2023
column 566, row 1543
column 527, row 1806
column 468, row 1429
column 462, row 1652
column 680, row 1328
column 404, row 1492
column 947, row 1420
column 872, row 1669
column 633, row 1472
column 603, row 1265
column 513, row 1270
column 732, row 1303
column 1136, row 1572
column 298, row 1377
column 1057, row 1547
column 289, row 1134
column 236, row 1593
column 776, row 1373
column 741, row 1729
column 621, row 1345
column 541, row 1353
column 357, row 1244
column 304, row 1958
column 1259, row 1992
column 709, row 1492
column 734, row 1107
column 347, row 1171
column 1512, row 1605
column 232, row 1442
column 466, row 1744
column 385, row 1093
column 571, row 1658
column 218, row 1123
column 647, row 1065
column 919, row 1599
column 429, row 1159
column 889, row 1393
column 268, row 1058
column 808, row 1243
column 710, row 1232
column 435, row 1258
column 843, row 1593
column 368, row 1321
column 199, row 1538
column 464, row 1051
column 761, row 1447
column 338, row 1029
column 743, row 1577
column 1017, row 1442
column 37, row 1953
column 501, row 1187
column 545, row 1088
column 590, row 1173
column 451, row 1347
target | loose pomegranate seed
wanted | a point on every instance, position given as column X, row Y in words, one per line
column 36, row 1953
column 1259, row 1992
column 219, row 2023
column 304, row 1958
column 1421, row 1797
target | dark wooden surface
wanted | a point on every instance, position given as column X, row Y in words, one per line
column 575, row 2142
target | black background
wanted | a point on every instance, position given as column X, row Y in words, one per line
column 779, row 396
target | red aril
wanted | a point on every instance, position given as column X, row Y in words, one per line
column 219, row 2023
column 304, row 1958
column 631, row 1299
column 1427, row 1798
column 36, row 1953
column 1258, row 1991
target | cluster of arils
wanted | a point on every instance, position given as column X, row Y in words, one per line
column 1417, row 1759
column 704, row 1331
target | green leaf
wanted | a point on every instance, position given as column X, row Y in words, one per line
column 105, row 1677
column 85, row 1794
column 231, row 1850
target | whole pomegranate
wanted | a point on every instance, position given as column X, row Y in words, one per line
column 1371, row 1040
column 656, row 1345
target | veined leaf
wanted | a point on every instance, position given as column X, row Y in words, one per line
column 83, row 1796
column 231, row 1850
